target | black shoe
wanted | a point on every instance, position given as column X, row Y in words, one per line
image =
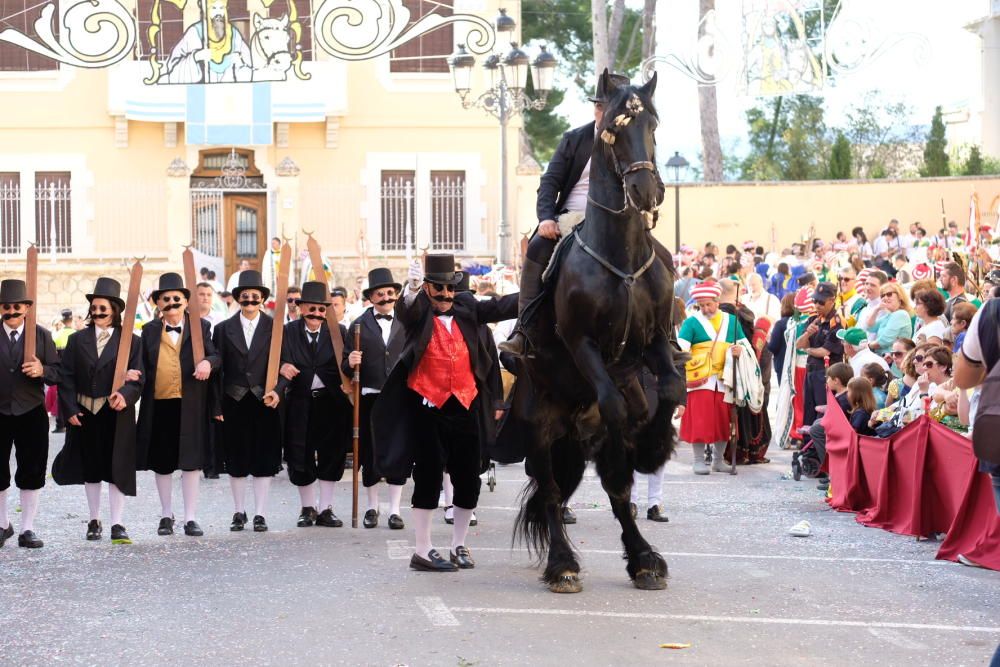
column 259, row 524
column 59, row 429
column 94, row 530
column 396, row 522
column 307, row 517
column 239, row 521
column 211, row 475
column 371, row 519
column 119, row 535
column 462, row 558
column 329, row 519
column 514, row 345
column 653, row 514
column 568, row 516
column 634, row 510
column 433, row 563
column 192, row 529
column 446, row 519
column 166, row 526
column 6, row 534
column 473, row 521
column 29, row 540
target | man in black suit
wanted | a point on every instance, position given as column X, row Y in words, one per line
column 24, row 423
column 318, row 415
column 381, row 342
column 434, row 411
column 173, row 414
column 100, row 440
column 251, row 429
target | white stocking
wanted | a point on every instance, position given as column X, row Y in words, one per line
column 93, row 491
column 116, row 499
column 326, row 494
column 422, row 531
column 395, row 493
column 190, row 481
column 372, row 497
column 261, row 489
column 449, row 490
column 165, row 488
column 238, row 485
column 461, row 528
column 3, row 510
column 29, row 507
column 307, row 495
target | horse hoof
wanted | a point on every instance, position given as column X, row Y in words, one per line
column 648, row 580
column 568, row 582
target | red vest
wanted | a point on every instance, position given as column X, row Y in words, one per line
column 445, row 370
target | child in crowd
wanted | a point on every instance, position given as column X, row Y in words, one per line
column 837, row 377
column 961, row 315
column 878, row 378
column 862, row 402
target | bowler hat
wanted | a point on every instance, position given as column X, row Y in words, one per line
column 440, row 268
column 107, row 288
column 250, row 279
column 380, row 277
column 170, row 282
column 616, row 81
column 313, row 292
column 13, row 290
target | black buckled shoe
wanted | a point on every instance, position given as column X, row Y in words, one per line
column 259, row 524
column 166, row 526
column 29, row 540
column 462, row 557
column 568, row 516
column 239, row 522
column 433, row 563
column 192, row 529
column 396, row 522
column 654, row 514
column 307, row 517
column 94, row 530
column 119, row 535
column 329, row 519
column 6, row 534
column 371, row 519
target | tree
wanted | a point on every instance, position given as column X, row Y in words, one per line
column 840, row 159
column 882, row 138
column 787, row 140
column 708, row 113
column 545, row 128
column 935, row 153
column 974, row 163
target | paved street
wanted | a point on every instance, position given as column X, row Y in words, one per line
column 741, row 591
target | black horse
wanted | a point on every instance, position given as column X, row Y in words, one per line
column 607, row 316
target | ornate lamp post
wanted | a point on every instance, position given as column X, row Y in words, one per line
column 679, row 165
column 503, row 99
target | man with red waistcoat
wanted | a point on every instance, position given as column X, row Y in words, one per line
column 434, row 410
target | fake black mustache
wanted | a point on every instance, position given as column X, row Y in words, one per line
column 385, row 303
column 99, row 316
column 249, row 303
column 443, row 299
column 10, row 316
column 173, row 306
column 315, row 318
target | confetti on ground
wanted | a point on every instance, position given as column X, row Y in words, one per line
column 675, row 646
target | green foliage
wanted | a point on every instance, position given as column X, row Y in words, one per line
column 840, row 159
column 935, row 150
column 545, row 128
column 787, row 138
column 974, row 163
column 882, row 138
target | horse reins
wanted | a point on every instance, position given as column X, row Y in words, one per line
column 627, row 278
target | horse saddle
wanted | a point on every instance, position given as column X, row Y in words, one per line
column 568, row 222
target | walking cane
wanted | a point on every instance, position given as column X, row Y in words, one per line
column 734, row 423
column 357, row 424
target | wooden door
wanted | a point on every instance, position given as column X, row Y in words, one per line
column 246, row 230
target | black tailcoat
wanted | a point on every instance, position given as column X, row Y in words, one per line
column 393, row 415
column 84, row 373
column 564, row 171
column 243, row 370
column 378, row 358
column 18, row 392
column 194, row 395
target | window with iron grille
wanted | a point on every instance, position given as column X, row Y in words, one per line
column 21, row 15
column 448, row 210
column 430, row 51
column 53, row 223
column 398, row 195
column 10, row 213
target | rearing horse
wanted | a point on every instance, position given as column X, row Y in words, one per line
column 607, row 317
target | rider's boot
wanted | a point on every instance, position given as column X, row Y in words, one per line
column 531, row 287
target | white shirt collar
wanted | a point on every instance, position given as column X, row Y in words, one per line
column 252, row 323
column 167, row 324
column 19, row 330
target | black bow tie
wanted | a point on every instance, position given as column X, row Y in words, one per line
column 177, row 329
column 448, row 313
column 381, row 316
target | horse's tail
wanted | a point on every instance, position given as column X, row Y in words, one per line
column 531, row 527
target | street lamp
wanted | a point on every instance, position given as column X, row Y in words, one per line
column 679, row 165
column 505, row 97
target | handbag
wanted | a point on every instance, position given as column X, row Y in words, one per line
column 701, row 366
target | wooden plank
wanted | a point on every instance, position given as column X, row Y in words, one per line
column 316, row 259
column 128, row 325
column 31, row 318
column 278, row 325
column 194, row 317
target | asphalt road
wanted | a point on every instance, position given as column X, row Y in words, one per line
column 741, row 590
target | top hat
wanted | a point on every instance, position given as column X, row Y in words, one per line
column 313, row 292
column 463, row 284
column 250, row 279
column 616, row 81
column 13, row 290
column 170, row 282
column 441, row 269
column 107, row 288
column 380, row 277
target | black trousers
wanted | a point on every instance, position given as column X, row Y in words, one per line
column 540, row 249
column 97, row 443
column 815, row 394
column 251, row 433
column 366, row 453
column 165, row 446
column 28, row 436
column 328, row 431
column 448, row 438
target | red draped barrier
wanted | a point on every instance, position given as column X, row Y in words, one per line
column 922, row 480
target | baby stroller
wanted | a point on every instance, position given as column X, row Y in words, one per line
column 806, row 462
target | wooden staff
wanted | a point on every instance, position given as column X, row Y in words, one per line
column 128, row 325
column 357, row 427
column 316, row 259
column 194, row 317
column 278, row 324
column 30, row 318
column 734, row 422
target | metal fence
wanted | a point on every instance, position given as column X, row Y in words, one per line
column 206, row 221
column 398, row 203
column 10, row 214
column 448, row 210
column 53, row 220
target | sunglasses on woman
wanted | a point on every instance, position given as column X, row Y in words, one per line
column 888, row 294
